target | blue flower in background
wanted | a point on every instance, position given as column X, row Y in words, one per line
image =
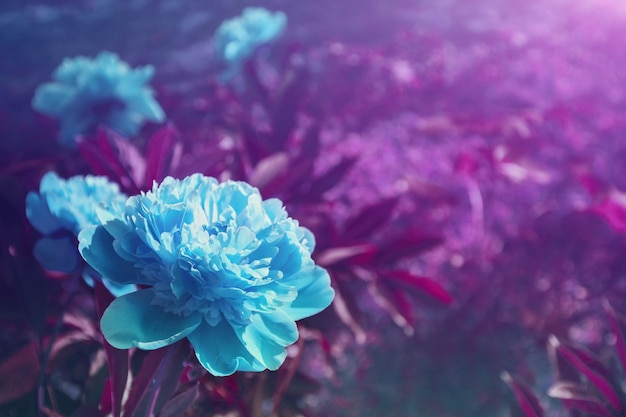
column 222, row 267
column 61, row 209
column 104, row 90
column 236, row 39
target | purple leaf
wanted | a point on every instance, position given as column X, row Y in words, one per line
column 410, row 243
column 574, row 396
column 591, row 367
column 131, row 160
column 18, row 373
column 149, row 367
column 117, row 359
column 346, row 309
column 177, row 406
column 397, row 305
column 300, row 171
column 330, row 178
column 323, row 227
column 370, row 219
column 285, row 111
column 613, row 212
column 88, row 150
column 526, row 399
column 103, row 159
column 268, row 169
column 165, row 380
column 618, row 328
column 160, row 154
column 108, row 153
column 356, row 254
column 415, row 282
column 565, row 371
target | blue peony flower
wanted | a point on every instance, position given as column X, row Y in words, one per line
column 219, row 265
column 104, row 90
column 61, row 209
column 236, row 39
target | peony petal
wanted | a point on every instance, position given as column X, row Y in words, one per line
column 57, row 254
column 96, row 247
column 314, row 293
column 146, row 106
column 220, row 351
column 39, row 215
column 89, row 275
column 307, row 239
column 51, row 98
column 267, row 336
column 132, row 321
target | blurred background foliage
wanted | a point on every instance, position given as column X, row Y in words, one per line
column 460, row 162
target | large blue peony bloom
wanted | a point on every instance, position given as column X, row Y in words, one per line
column 220, row 266
column 236, row 39
column 104, row 90
column 61, row 209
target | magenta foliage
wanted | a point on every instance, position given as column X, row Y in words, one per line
column 524, row 395
column 464, row 179
column 117, row 360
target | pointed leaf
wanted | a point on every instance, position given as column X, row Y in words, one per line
column 117, row 359
column 331, row 177
column 148, row 369
column 160, row 154
column 285, row 111
column 323, row 227
column 574, row 396
column 103, row 158
column 268, row 169
column 411, row 243
column 164, row 381
column 370, row 218
column 177, row 406
column 98, row 164
column 393, row 302
column 348, row 254
column 618, row 327
column 613, row 212
column 564, row 370
column 592, row 368
column 415, row 282
column 287, row 185
column 18, row 373
column 526, row 399
column 347, row 311
column 131, row 160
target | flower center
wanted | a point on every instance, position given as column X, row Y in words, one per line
column 215, row 228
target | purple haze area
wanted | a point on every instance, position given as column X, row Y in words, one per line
column 460, row 163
